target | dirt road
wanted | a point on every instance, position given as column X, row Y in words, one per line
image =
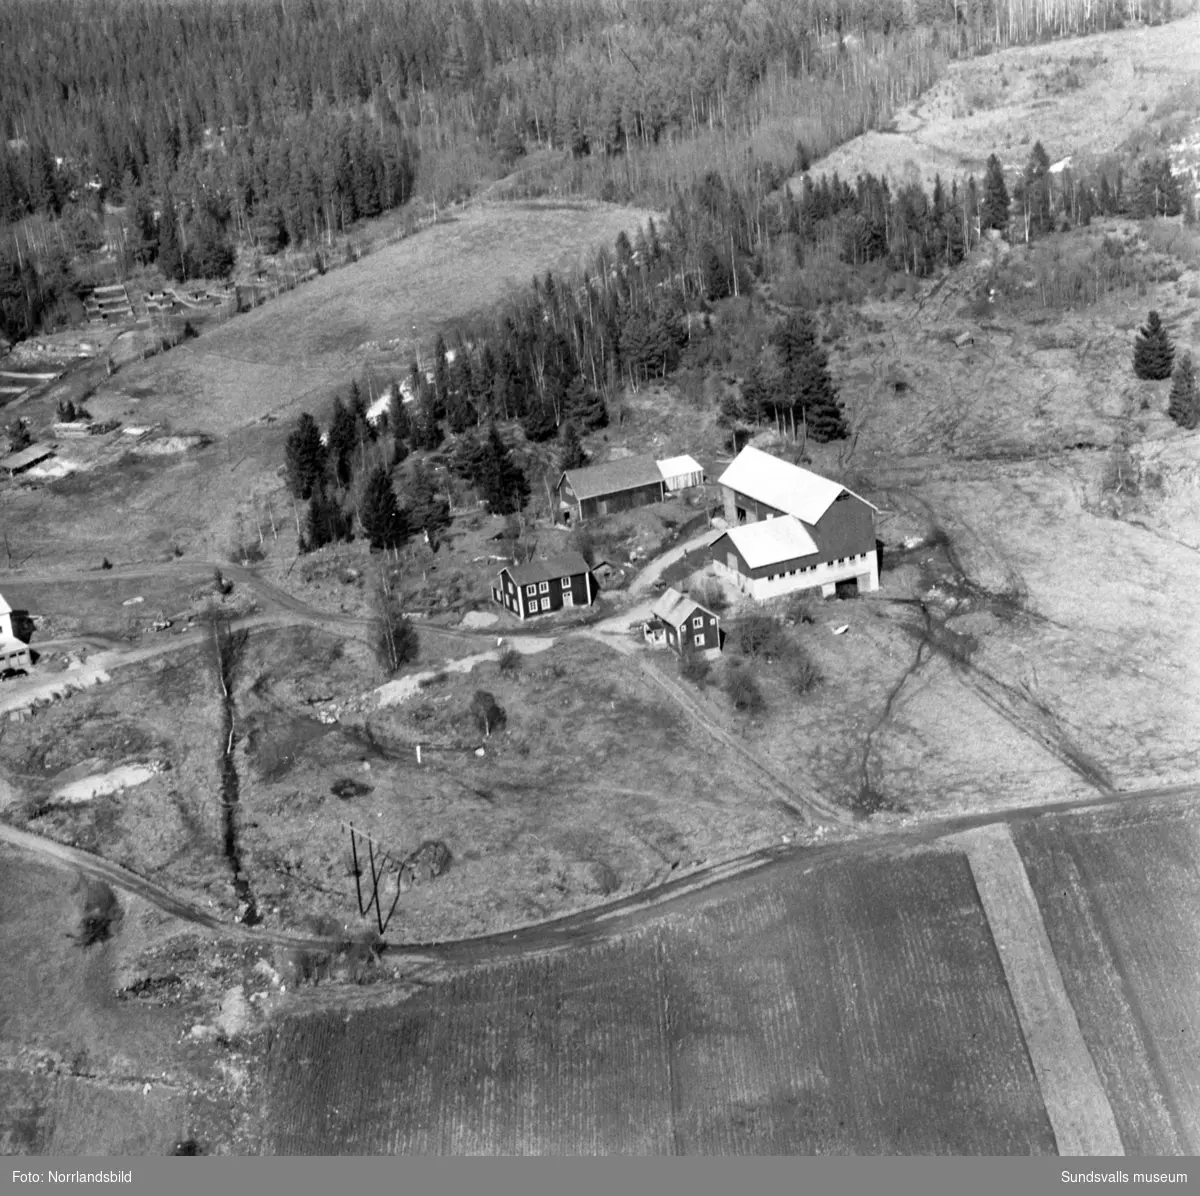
column 623, row 915
column 131, row 883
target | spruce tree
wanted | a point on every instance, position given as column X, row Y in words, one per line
column 570, row 450
column 441, row 377
column 427, row 511
column 170, row 255
column 382, row 520
column 993, row 211
column 584, row 407
column 343, row 439
column 539, row 422
column 305, row 457
column 807, row 383
column 1184, row 404
column 325, row 521
column 1035, row 191
column 1153, row 353
column 502, row 482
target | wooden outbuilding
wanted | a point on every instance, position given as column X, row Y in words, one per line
column 26, row 458
column 619, row 485
column 681, row 473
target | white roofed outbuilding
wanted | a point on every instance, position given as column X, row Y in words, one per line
column 681, row 473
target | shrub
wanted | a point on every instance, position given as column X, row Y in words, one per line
column 100, row 912
column 757, row 634
column 799, row 609
column 488, row 714
column 694, row 668
column 396, row 640
column 712, row 594
column 509, row 660
column 743, row 691
column 800, row 672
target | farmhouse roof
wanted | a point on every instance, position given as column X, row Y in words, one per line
column 770, row 541
column 626, row 473
column 567, row 564
column 782, row 485
column 27, row 456
column 5, row 609
column 676, row 608
column 8, row 645
column 672, row 467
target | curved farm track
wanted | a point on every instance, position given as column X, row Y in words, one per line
column 622, row 915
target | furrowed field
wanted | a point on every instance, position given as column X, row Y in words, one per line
column 859, row 1010
column 1118, row 892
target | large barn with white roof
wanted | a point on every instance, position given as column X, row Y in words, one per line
column 790, row 529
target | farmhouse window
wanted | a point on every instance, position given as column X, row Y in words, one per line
column 699, row 639
column 698, row 621
column 531, row 589
column 544, row 587
column 565, row 582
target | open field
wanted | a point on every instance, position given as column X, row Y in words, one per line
column 1117, row 891
column 367, row 319
column 373, row 314
column 858, row 1010
column 589, row 792
column 1079, row 96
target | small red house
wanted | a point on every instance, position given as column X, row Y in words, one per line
column 682, row 624
column 539, row 587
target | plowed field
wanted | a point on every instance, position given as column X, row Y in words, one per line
column 858, row 1010
column 1119, row 892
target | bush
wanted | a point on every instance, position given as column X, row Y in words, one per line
column 756, row 635
column 743, row 691
column 712, row 594
column 396, row 641
column 509, row 660
column 488, row 714
column 694, row 668
column 800, row 672
column 799, row 610
column 100, row 912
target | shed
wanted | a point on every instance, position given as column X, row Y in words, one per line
column 14, row 654
column 19, row 462
column 614, row 486
column 681, row 473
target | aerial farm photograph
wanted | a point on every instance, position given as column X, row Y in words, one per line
column 599, row 577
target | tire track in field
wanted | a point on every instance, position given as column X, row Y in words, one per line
column 1016, row 705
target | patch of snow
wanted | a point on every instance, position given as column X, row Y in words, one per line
column 89, row 788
